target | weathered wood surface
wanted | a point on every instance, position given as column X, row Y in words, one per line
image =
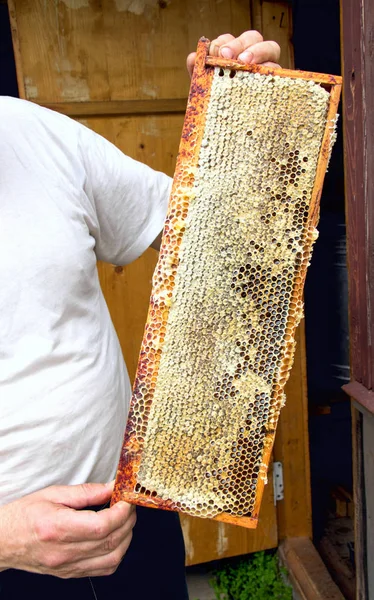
column 105, row 50
column 358, row 112
column 361, row 395
column 274, row 20
column 360, row 505
column 357, row 19
column 119, row 107
column 307, row 572
column 368, row 515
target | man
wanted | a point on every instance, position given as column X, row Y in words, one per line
column 68, row 197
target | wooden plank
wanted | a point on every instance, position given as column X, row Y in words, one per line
column 307, row 573
column 277, row 25
column 94, row 61
column 166, row 32
column 256, row 15
column 342, row 570
column 292, row 449
column 368, row 458
column 358, row 106
column 359, row 501
column 357, row 26
column 119, row 107
column 368, row 85
column 361, row 395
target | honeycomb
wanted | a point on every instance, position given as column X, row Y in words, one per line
column 227, row 294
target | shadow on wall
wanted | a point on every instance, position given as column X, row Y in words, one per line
column 8, row 79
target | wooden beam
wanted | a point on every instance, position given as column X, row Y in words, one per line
column 119, row 107
column 291, row 448
column 360, row 505
column 357, row 24
column 307, row 573
column 368, row 459
column 361, row 395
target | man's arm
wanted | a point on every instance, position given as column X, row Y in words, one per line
column 48, row 532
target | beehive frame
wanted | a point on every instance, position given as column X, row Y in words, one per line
column 127, row 486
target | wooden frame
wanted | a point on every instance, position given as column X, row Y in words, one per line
column 189, row 155
column 307, row 573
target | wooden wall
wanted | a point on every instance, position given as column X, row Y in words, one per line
column 357, row 21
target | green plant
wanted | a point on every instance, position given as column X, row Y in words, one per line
column 257, row 578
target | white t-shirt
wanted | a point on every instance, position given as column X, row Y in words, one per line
column 67, row 198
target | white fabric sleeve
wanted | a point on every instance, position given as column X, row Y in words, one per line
column 130, row 199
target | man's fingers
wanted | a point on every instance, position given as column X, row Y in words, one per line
column 73, row 552
column 261, row 52
column 79, row 496
column 233, row 48
column 191, row 62
column 96, row 566
column 215, row 45
column 85, row 525
column 249, row 47
column 271, row 64
column 117, row 537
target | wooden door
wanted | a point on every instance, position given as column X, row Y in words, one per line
column 118, row 66
column 357, row 30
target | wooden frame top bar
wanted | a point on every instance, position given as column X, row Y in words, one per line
column 212, row 61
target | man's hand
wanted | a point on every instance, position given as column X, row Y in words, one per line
column 45, row 532
column 249, row 48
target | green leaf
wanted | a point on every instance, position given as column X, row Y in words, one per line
column 257, row 578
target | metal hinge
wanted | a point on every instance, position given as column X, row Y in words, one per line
column 278, row 481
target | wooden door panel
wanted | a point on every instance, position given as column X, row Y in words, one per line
column 115, row 49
